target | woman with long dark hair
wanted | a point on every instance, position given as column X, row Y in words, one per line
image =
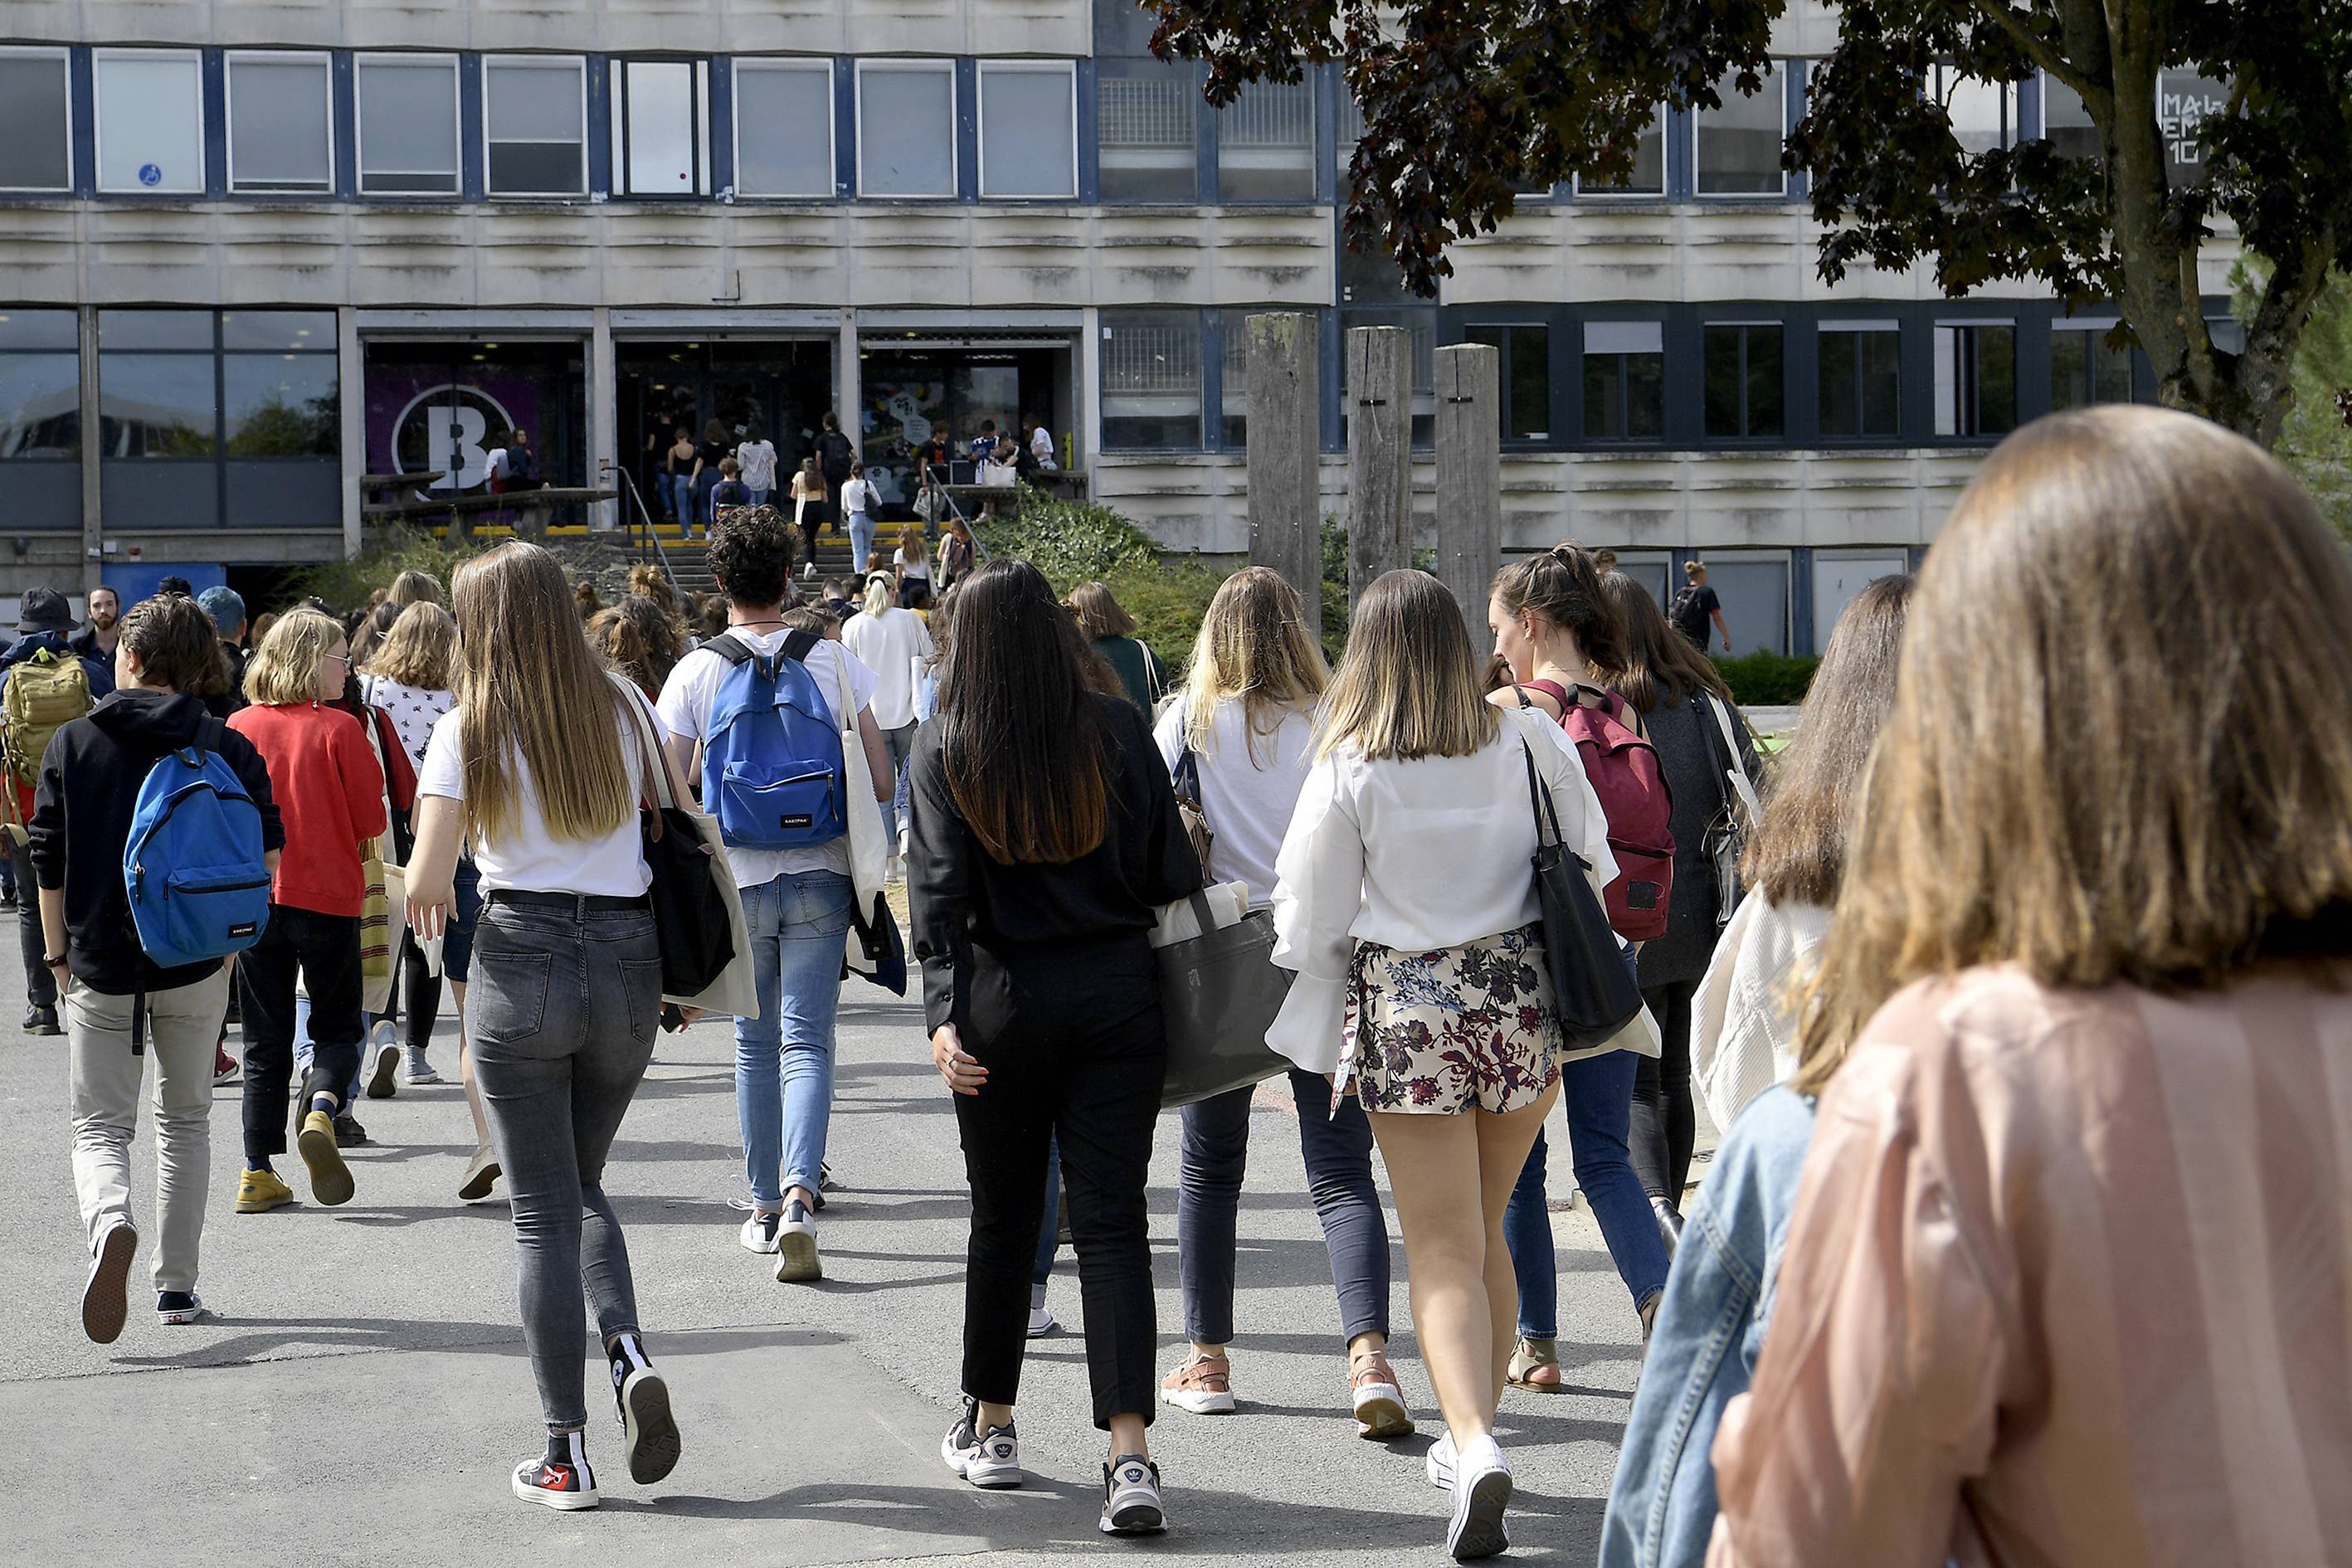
column 1046, row 836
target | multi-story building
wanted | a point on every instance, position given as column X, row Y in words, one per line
column 251, row 251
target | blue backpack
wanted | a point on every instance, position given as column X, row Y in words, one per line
column 771, row 764
column 199, row 888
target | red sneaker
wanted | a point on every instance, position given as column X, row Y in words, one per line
column 224, row 1066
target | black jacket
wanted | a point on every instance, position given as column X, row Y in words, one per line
column 962, row 899
column 82, row 822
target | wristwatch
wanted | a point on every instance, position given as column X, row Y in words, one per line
column 51, row 962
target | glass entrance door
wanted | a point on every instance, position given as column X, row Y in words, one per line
column 781, row 386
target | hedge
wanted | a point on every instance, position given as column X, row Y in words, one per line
column 1767, row 679
column 1074, row 541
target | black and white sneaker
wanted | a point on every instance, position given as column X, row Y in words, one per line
column 566, row 1484
column 759, row 1232
column 177, row 1309
column 990, row 1460
column 1131, row 1503
column 1482, row 1490
column 643, row 1401
column 796, row 1260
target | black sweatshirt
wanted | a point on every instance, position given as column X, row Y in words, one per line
column 962, row 897
column 81, row 823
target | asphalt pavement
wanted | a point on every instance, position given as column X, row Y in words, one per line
column 363, row 1394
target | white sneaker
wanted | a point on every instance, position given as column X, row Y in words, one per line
column 990, row 1460
column 1131, row 1504
column 796, row 1260
column 383, row 1050
column 1438, row 1463
column 1482, row 1490
column 759, row 1232
column 1042, row 1322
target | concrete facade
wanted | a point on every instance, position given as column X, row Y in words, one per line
column 608, row 277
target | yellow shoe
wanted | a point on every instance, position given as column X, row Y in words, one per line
column 330, row 1179
column 259, row 1192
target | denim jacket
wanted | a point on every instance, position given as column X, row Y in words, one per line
column 1709, row 1331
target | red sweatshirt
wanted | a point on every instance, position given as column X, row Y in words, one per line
column 330, row 793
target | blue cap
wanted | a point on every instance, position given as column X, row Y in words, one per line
column 224, row 605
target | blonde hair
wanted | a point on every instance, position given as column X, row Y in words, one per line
column 285, row 667
column 1408, row 686
column 2150, row 784
column 1253, row 648
column 878, row 596
column 528, row 686
column 414, row 587
column 420, row 648
column 914, row 542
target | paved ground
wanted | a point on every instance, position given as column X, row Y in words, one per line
column 366, row 1395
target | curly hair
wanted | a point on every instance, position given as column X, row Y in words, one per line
column 751, row 550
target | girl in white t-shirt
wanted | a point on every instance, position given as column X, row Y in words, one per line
column 540, row 769
column 912, row 562
column 757, row 455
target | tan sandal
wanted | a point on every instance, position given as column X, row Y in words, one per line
column 1378, row 1401
column 1535, row 1366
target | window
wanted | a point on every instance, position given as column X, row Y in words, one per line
column 280, row 116
column 534, row 116
column 1232, row 356
column 36, row 146
column 279, row 396
column 1524, row 373
column 1983, row 113
column 2067, row 123
column 1976, row 378
column 905, row 128
column 1265, row 145
column 784, row 128
column 1753, row 589
column 1151, row 380
column 1624, row 381
column 1861, row 378
column 1744, row 386
column 659, row 137
column 1147, row 132
column 1649, row 176
column 1740, row 144
column 1029, row 129
column 150, row 120
column 2084, row 369
column 40, row 418
column 407, row 133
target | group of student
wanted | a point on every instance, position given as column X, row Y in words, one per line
column 2018, row 1245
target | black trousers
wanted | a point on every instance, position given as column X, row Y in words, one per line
column 326, row 949
column 1071, row 1039
column 40, row 986
column 1665, row 1127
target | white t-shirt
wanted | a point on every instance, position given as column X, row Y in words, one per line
column 918, row 570
column 685, row 707
column 528, row 860
column 890, row 643
column 1248, row 785
column 857, row 494
column 415, row 710
column 1041, row 445
column 758, row 461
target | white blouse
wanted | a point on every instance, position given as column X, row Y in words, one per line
column 1416, row 856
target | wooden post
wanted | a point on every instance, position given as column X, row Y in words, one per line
column 1379, row 453
column 1470, row 480
column 1286, row 511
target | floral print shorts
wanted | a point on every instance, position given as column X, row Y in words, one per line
column 1442, row 1032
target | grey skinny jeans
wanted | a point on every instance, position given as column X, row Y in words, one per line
column 565, row 997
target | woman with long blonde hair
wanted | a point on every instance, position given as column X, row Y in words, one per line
column 1237, row 738
column 539, row 770
column 1404, row 901
column 911, row 565
column 2066, row 1264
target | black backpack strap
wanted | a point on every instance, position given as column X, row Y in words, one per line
column 797, row 645
column 212, row 735
column 731, row 648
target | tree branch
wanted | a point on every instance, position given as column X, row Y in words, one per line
column 2037, row 50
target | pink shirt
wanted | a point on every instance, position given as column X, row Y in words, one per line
column 2069, row 1282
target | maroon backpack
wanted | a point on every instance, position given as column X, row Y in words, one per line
column 1637, row 799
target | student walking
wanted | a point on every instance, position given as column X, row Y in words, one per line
column 1046, row 836
column 857, row 508
column 761, row 708
column 809, row 508
column 329, row 794
column 1711, row 1323
column 1110, row 631
column 677, row 481
column 52, row 686
column 911, row 565
column 890, row 641
column 757, row 455
column 1245, row 720
column 704, row 479
column 2067, row 1257
column 1405, row 901
column 1698, row 607
column 540, row 768
column 122, row 1009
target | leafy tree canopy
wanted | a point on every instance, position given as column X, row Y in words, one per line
column 1463, row 101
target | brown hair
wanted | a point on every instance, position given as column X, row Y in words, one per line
column 638, row 639
column 285, row 669
column 585, row 600
column 651, row 581
column 2149, row 784
column 1561, row 586
column 1661, row 666
column 414, row 587
column 420, row 650
column 260, row 628
column 1253, row 649
column 1797, row 853
column 1408, row 685
column 373, row 628
column 175, row 642
column 1098, row 613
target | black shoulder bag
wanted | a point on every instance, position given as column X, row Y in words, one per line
column 1593, row 989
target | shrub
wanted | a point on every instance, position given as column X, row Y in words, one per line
column 347, row 584
column 1767, row 679
column 1078, row 541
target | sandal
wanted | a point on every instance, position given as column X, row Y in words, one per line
column 1379, row 1403
column 1535, row 1366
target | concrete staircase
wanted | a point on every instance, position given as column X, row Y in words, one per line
column 690, row 560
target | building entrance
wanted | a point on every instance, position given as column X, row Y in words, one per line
column 910, row 391
column 782, row 385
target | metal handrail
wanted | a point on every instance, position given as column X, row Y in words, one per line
column 653, row 534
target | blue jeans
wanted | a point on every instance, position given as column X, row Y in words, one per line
column 1598, row 1093
column 678, row 497
column 783, row 1058
column 1049, row 1235
column 861, row 541
column 759, row 497
column 302, row 1049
